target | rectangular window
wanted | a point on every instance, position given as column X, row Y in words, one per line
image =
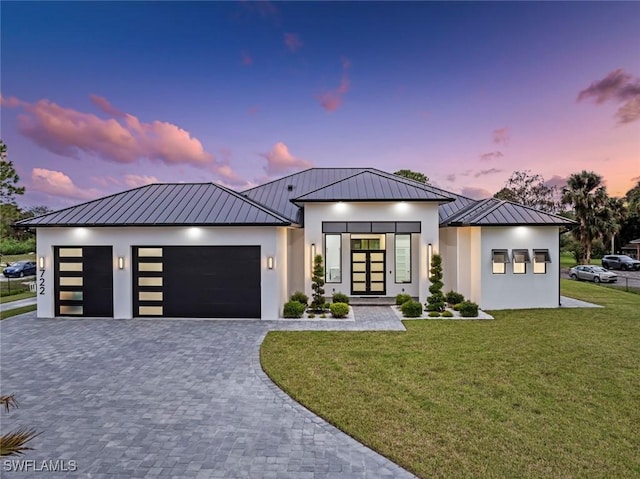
column 403, row 258
column 520, row 260
column 499, row 259
column 333, row 258
column 540, row 259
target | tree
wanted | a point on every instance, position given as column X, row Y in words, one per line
column 413, row 175
column 317, row 283
column 616, row 213
column 630, row 225
column 13, row 443
column 530, row 190
column 633, row 200
column 436, row 301
column 588, row 197
column 8, row 178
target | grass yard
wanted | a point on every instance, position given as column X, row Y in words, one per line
column 16, row 297
column 568, row 261
column 17, row 311
column 534, row 393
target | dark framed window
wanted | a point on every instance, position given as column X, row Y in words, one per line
column 333, row 258
column 403, row 258
column 520, row 259
column 540, row 259
column 499, row 259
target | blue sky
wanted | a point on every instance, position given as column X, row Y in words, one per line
column 98, row 97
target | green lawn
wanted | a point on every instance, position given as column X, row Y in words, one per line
column 534, row 393
column 568, row 261
column 16, row 297
column 17, row 311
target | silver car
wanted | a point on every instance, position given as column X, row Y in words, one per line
column 597, row 274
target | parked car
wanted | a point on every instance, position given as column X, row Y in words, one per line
column 20, row 269
column 597, row 274
column 620, row 261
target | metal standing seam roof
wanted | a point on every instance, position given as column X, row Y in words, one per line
column 193, row 204
column 495, row 212
column 369, row 185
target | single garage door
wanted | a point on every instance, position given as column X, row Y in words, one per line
column 196, row 281
column 83, row 281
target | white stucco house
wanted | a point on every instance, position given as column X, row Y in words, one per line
column 203, row 250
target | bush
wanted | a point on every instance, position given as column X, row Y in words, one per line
column 402, row 298
column 468, row 309
column 326, row 306
column 340, row 298
column 317, row 283
column 300, row 297
column 294, row 309
column 454, row 298
column 339, row 310
column 436, row 300
column 434, row 314
column 12, row 246
column 323, row 315
column 411, row 309
column 447, row 314
column 456, row 307
column 311, row 315
column 437, row 306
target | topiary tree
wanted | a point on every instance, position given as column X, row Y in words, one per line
column 317, row 283
column 436, row 302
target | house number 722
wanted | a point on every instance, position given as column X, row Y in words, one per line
column 41, row 285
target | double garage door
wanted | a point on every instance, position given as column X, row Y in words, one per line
column 168, row 281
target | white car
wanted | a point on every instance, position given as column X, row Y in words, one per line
column 597, row 274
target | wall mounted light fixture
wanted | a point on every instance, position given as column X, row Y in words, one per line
column 313, row 254
column 270, row 262
column 41, row 262
column 120, row 262
column 429, row 255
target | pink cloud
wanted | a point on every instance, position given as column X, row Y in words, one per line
column 134, row 181
column 501, row 136
column 56, row 183
column 331, row 100
column 246, row 59
column 120, row 139
column 556, row 181
column 490, row 171
column 280, row 160
column 106, row 181
column 475, row 193
column 493, row 155
column 293, row 42
column 618, row 87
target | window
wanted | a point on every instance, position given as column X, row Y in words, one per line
column 540, row 259
column 403, row 258
column 333, row 258
column 499, row 258
column 520, row 260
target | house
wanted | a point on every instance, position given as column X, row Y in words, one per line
column 203, row 250
column 632, row 249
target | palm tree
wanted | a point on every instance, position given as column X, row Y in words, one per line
column 587, row 195
column 13, row 443
column 617, row 213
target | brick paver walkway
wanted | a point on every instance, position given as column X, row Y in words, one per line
column 170, row 398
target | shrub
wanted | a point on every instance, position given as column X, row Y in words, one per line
column 468, row 309
column 456, row 307
column 402, row 298
column 454, row 298
column 411, row 309
column 326, row 305
column 437, row 306
column 434, row 314
column 317, row 283
column 323, row 316
column 340, row 298
column 339, row 310
column 11, row 246
column 300, row 297
column 293, row 309
column 311, row 315
column 435, row 302
column 447, row 314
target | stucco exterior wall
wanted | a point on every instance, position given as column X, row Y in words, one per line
column 449, row 253
column 272, row 242
column 295, row 263
column 425, row 212
column 517, row 291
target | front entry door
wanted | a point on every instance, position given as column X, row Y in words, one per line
column 367, row 273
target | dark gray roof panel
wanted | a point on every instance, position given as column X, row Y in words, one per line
column 370, row 185
column 165, row 204
column 494, row 212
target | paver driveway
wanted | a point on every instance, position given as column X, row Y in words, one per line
column 177, row 398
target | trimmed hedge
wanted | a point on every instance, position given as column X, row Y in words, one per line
column 434, row 314
column 402, row 298
column 339, row 310
column 300, row 297
column 293, row 309
column 447, row 314
column 454, row 298
column 340, row 298
column 411, row 309
column 468, row 309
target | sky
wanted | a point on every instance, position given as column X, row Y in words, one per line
column 101, row 97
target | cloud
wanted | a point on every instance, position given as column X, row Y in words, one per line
column 134, row 181
column 493, row 155
column 246, row 59
column 106, row 181
column 293, row 42
column 490, row 171
column 280, row 160
column 56, row 183
column 331, row 100
column 501, row 136
column 451, row 178
column 617, row 87
column 123, row 138
column 475, row 193
column 556, row 181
